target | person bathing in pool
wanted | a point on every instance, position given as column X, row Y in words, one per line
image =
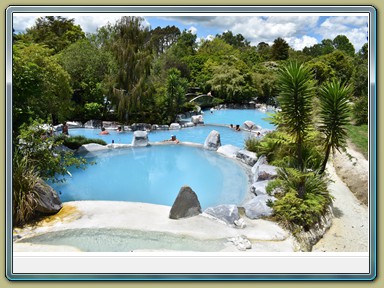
column 172, row 139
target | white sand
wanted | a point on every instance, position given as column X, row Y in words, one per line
column 265, row 235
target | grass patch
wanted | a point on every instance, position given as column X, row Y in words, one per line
column 358, row 135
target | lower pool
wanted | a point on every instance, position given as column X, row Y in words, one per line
column 155, row 175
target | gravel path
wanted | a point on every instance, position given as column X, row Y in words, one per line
column 350, row 228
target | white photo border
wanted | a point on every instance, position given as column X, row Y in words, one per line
column 24, row 266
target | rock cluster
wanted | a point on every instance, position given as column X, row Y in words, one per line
column 262, row 173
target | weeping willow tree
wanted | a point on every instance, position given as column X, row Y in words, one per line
column 130, row 45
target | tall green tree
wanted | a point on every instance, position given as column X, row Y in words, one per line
column 334, row 116
column 230, row 83
column 264, row 51
column 341, row 42
column 130, row 44
column 41, row 87
column 295, row 82
column 323, row 48
column 280, row 49
column 89, row 67
column 237, row 41
column 163, row 38
column 56, row 33
column 175, row 93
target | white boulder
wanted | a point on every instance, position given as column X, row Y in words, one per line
column 228, row 150
column 140, row 139
column 212, row 142
column 257, row 207
column 174, row 126
column 197, row 119
column 247, row 157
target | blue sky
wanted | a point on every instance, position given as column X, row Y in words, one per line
column 298, row 30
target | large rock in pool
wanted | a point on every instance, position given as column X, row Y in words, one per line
column 197, row 119
column 212, row 142
column 186, row 204
column 140, row 139
column 91, row 147
column 227, row 213
column 48, row 202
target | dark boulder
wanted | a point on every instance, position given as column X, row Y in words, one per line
column 186, row 204
column 48, row 202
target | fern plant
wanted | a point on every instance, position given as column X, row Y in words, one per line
column 293, row 209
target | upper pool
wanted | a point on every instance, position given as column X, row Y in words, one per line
column 237, row 116
column 193, row 134
column 155, row 175
column 196, row 134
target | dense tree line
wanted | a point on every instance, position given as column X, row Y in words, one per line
column 122, row 71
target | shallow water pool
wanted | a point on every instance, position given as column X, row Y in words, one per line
column 155, row 175
column 124, row 240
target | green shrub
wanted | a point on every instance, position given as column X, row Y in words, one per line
column 360, row 111
column 252, row 144
column 276, row 146
column 75, row 142
column 40, row 149
column 217, row 101
column 188, row 106
column 24, row 178
column 293, row 210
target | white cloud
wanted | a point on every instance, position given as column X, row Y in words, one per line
column 300, row 43
column 349, row 20
column 20, row 23
column 89, row 22
column 193, row 30
column 267, row 29
column 355, row 28
column 298, row 31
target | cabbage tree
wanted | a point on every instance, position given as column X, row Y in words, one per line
column 296, row 85
column 334, row 116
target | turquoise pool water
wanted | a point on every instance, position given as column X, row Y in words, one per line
column 124, row 240
column 196, row 134
column 155, row 175
column 238, row 116
column 192, row 134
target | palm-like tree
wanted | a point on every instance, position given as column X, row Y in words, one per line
column 334, row 116
column 295, row 82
